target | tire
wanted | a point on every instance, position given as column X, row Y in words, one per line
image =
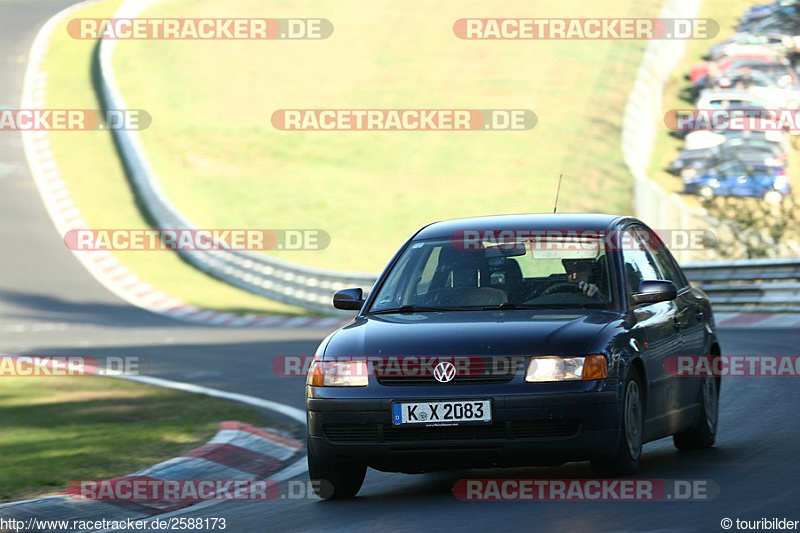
column 704, row 433
column 706, row 193
column 334, row 480
column 773, row 197
column 629, row 449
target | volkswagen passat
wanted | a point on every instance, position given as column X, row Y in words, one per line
column 509, row 341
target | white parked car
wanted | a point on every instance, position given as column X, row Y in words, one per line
column 698, row 140
column 727, row 98
column 749, row 43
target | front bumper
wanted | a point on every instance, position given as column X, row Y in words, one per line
column 526, row 429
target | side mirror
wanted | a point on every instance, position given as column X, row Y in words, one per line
column 348, row 299
column 652, row 291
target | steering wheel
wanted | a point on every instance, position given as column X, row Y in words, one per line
column 572, row 287
column 562, row 286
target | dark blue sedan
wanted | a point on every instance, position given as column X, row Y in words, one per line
column 509, row 341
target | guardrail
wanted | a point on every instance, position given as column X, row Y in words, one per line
column 766, row 284
column 759, row 284
column 305, row 287
column 643, row 113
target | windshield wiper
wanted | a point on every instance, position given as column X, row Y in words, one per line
column 411, row 309
column 512, row 306
column 509, row 305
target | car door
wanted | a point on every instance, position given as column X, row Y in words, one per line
column 691, row 320
column 659, row 325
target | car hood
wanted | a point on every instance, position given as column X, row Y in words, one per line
column 518, row 332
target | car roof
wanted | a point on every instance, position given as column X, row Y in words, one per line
column 728, row 94
column 528, row 221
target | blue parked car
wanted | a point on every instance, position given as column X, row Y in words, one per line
column 744, row 179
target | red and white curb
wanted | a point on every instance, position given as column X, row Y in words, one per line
column 238, row 452
column 758, row 320
column 66, row 216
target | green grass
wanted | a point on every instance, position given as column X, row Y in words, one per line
column 96, row 180
column 60, row 429
column 222, row 163
column 212, row 144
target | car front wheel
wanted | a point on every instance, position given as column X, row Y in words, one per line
column 334, row 479
column 629, row 450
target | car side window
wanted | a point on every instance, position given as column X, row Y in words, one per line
column 667, row 264
column 639, row 263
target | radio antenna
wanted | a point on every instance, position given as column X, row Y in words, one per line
column 558, row 191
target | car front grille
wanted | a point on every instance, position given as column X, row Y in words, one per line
column 352, row 432
column 493, row 370
column 521, row 429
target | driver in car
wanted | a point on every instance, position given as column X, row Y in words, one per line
column 580, row 272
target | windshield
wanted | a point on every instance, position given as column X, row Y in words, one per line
column 447, row 275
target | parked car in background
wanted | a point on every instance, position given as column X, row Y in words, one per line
column 715, row 68
column 730, row 98
column 762, row 85
column 744, row 43
column 708, row 138
column 690, row 163
column 757, row 13
column 736, row 178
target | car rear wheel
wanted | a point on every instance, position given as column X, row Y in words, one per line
column 334, row 479
column 704, row 433
column 773, row 197
column 629, row 450
column 706, row 193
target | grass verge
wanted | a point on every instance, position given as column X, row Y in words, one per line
column 56, row 430
column 91, row 168
column 221, row 161
column 223, row 164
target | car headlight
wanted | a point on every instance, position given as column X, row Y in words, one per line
column 555, row 368
column 338, row 374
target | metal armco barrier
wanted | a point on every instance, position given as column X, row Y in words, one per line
column 759, row 284
column 305, row 287
column 767, row 284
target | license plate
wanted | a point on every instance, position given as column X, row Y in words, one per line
column 442, row 413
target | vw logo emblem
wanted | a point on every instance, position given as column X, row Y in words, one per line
column 444, row 372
